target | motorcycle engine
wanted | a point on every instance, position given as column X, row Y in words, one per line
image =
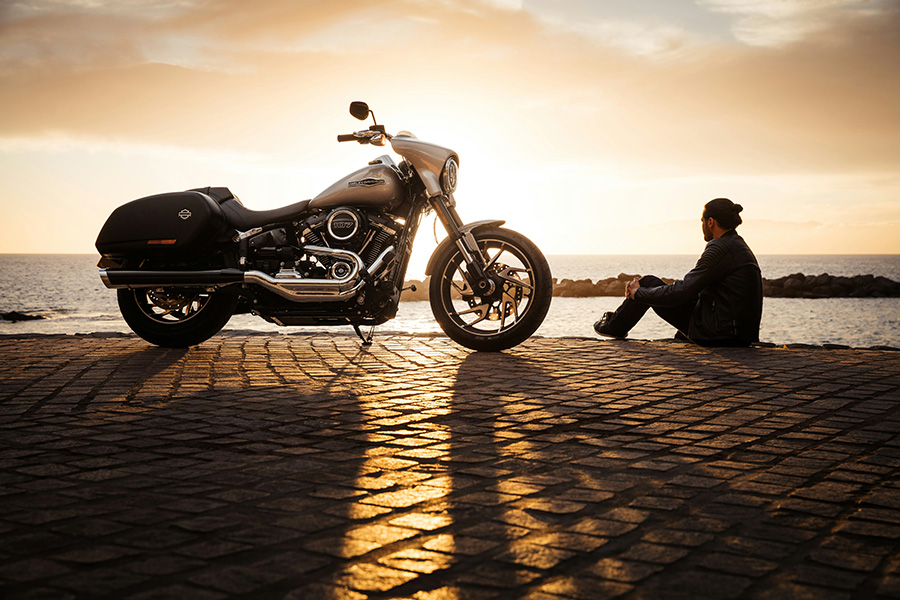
column 347, row 228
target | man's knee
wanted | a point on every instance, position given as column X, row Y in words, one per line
column 649, row 281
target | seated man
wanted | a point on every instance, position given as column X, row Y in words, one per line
column 719, row 303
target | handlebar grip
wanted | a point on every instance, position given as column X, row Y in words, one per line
column 347, row 137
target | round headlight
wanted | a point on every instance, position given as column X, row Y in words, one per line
column 449, row 176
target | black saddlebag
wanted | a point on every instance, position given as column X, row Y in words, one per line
column 177, row 223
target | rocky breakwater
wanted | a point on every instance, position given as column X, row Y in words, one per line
column 797, row 285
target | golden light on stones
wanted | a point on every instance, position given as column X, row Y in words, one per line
column 402, row 473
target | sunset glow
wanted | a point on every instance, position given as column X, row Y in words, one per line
column 590, row 126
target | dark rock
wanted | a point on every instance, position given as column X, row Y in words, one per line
column 583, row 288
column 17, row 316
column 833, row 291
column 613, row 287
column 820, row 280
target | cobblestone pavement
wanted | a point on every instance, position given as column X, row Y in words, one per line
column 276, row 466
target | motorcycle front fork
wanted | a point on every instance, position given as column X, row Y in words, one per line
column 475, row 260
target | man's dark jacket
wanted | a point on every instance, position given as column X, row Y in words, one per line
column 727, row 287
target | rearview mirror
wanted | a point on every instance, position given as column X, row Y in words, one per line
column 360, row 110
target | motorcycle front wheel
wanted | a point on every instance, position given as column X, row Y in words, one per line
column 176, row 317
column 504, row 315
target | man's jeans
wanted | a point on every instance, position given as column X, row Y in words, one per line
column 630, row 312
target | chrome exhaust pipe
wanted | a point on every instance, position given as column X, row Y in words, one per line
column 287, row 283
column 116, row 279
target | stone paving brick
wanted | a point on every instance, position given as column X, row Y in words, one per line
column 586, row 589
column 304, row 466
column 454, row 592
column 623, row 570
column 178, row 591
column 423, row 521
column 499, row 575
column 889, row 587
column 534, row 556
column 459, row 544
column 737, row 565
column 417, row 561
column 699, row 584
column 678, row 538
column 654, row 553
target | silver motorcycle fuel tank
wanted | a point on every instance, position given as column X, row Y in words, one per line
column 376, row 185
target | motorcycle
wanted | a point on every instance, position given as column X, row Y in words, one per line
column 184, row 262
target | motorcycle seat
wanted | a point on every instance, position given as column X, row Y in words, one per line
column 243, row 218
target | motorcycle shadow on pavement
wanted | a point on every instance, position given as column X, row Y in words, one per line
column 451, row 487
column 504, row 472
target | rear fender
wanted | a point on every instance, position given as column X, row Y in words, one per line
column 464, row 230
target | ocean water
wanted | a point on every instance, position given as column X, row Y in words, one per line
column 67, row 291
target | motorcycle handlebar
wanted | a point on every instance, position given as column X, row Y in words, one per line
column 372, row 135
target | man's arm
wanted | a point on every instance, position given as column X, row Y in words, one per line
column 709, row 268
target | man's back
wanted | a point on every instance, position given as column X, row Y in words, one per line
column 730, row 306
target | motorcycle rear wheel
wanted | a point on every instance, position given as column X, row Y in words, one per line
column 176, row 317
column 505, row 316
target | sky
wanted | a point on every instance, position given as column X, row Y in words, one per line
column 593, row 127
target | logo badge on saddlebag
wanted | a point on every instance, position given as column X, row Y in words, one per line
column 185, row 214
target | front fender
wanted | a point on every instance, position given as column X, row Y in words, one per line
column 465, row 229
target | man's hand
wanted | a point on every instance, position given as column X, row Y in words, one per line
column 631, row 287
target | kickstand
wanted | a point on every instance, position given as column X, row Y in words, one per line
column 366, row 339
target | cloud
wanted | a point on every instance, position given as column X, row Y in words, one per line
column 147, row 9
column 57, row 143
column 631, row 37
column 634, row 92
column 781, row 22
column 46, row 37
column 504, row 4
column 827, row 102
column 51, row 35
